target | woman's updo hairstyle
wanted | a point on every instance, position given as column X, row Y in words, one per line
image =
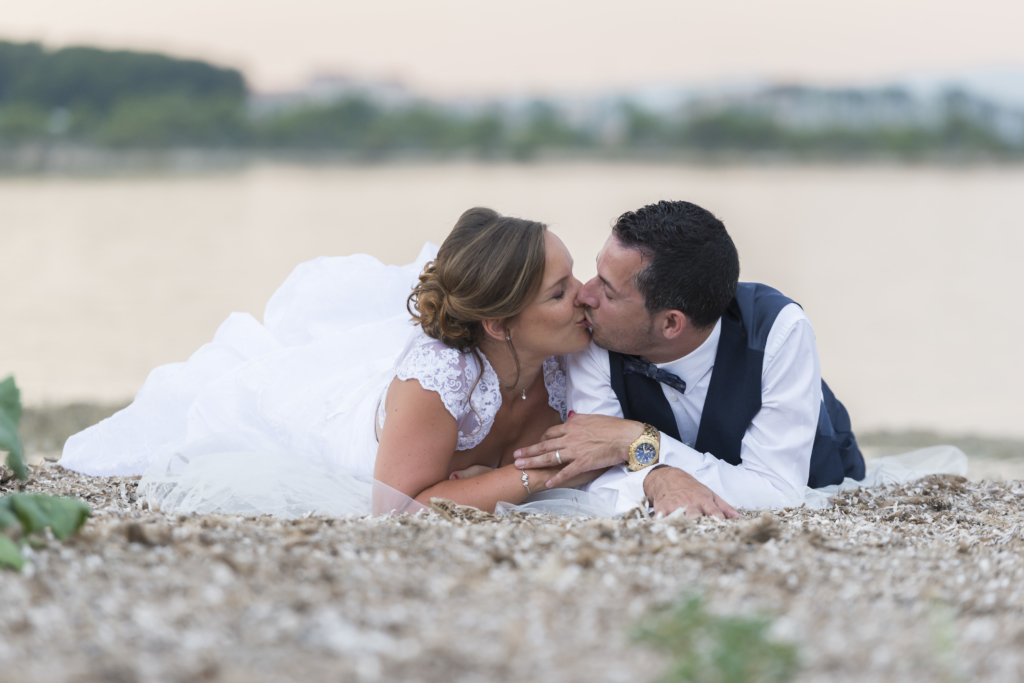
column 490, row 266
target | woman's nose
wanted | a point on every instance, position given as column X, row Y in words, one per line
column 587, row 294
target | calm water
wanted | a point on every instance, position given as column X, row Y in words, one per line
column 909, row 275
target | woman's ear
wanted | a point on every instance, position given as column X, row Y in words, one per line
column 494, row 328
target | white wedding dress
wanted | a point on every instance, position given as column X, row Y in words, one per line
column 278, row 418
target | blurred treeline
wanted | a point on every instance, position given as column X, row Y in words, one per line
column 89, row 96
column 95, row 98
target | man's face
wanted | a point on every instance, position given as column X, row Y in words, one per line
column 614, row 307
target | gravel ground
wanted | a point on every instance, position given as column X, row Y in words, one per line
column 920, row 582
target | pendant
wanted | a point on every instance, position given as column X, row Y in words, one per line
column 524, row 394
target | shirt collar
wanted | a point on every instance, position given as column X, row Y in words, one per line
column 694, row 365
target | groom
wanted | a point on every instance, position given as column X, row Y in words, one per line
column 698, row 391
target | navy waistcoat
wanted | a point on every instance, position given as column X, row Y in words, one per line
column 734, row 393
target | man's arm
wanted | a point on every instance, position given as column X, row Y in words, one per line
column 599, row 429
column 776, row 448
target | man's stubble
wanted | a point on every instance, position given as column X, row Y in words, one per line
column 633, row 342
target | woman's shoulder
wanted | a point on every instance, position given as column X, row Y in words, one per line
column 438, row 367
column 464, row 380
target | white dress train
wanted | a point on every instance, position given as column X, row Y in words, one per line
column 279, row 418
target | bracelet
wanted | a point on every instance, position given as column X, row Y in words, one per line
column 526, row 483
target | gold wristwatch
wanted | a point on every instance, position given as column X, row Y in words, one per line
column 644, row 451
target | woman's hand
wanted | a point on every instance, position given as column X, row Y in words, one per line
column 538, row 478
column 469, row 472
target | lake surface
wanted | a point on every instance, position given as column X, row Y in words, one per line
column 908, row 275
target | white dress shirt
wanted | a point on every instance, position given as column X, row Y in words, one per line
column 776, row 448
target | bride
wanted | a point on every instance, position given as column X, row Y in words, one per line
column 338, row 403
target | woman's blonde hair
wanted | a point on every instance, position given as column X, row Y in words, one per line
column 490, row 266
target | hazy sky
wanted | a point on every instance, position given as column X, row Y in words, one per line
column 485, row 46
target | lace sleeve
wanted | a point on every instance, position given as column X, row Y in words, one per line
column 554, row 382
column 453, row 375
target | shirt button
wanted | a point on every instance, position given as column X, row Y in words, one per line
column 672, row 397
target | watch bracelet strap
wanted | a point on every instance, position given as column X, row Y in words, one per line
column 651, row 432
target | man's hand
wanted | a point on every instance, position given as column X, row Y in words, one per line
column 583, row 443
column 671, row 488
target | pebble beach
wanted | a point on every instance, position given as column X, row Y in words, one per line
column 920, row 582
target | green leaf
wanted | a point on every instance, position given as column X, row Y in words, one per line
column 11, row 442
column 9, row 554
column 708, row 647
column 10, row 400
column 64, row 516
column 10, row 416
column 7, row 517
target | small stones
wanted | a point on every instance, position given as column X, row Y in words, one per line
column 761, row 530
column 148, row 534
column 457, row 593
column 460, row 513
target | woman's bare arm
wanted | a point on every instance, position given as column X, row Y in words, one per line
column 416, row 448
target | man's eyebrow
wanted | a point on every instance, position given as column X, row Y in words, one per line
column 609, row 286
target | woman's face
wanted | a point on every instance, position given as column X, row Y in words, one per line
column 553, row 324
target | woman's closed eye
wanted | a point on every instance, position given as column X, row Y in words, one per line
column 559, row 294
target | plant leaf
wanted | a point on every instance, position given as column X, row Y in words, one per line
column 9, row 554
column 7, row 517
column 10, row 416
column 11, row 442
column 64, row 516
column 10, row 400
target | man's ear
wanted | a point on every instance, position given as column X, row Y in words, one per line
column 673, row 324
column 494, row 328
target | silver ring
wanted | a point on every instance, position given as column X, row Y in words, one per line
column 558, row 458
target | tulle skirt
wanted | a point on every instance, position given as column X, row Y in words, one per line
column 273, row 418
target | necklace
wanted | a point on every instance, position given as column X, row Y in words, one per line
column 523, row 390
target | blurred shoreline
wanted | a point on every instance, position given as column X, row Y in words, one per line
column 85, row 161
column 114, row 276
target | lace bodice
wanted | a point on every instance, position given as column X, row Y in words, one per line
column 453, row 375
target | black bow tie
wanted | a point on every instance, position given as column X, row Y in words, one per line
column 639, row 366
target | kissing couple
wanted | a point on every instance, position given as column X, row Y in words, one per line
column 487, row 374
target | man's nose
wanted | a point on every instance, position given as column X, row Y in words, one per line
column 587, row 295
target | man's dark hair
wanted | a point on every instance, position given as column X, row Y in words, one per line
column 692, row 264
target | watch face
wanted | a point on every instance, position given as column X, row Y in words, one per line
column 645, row 454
